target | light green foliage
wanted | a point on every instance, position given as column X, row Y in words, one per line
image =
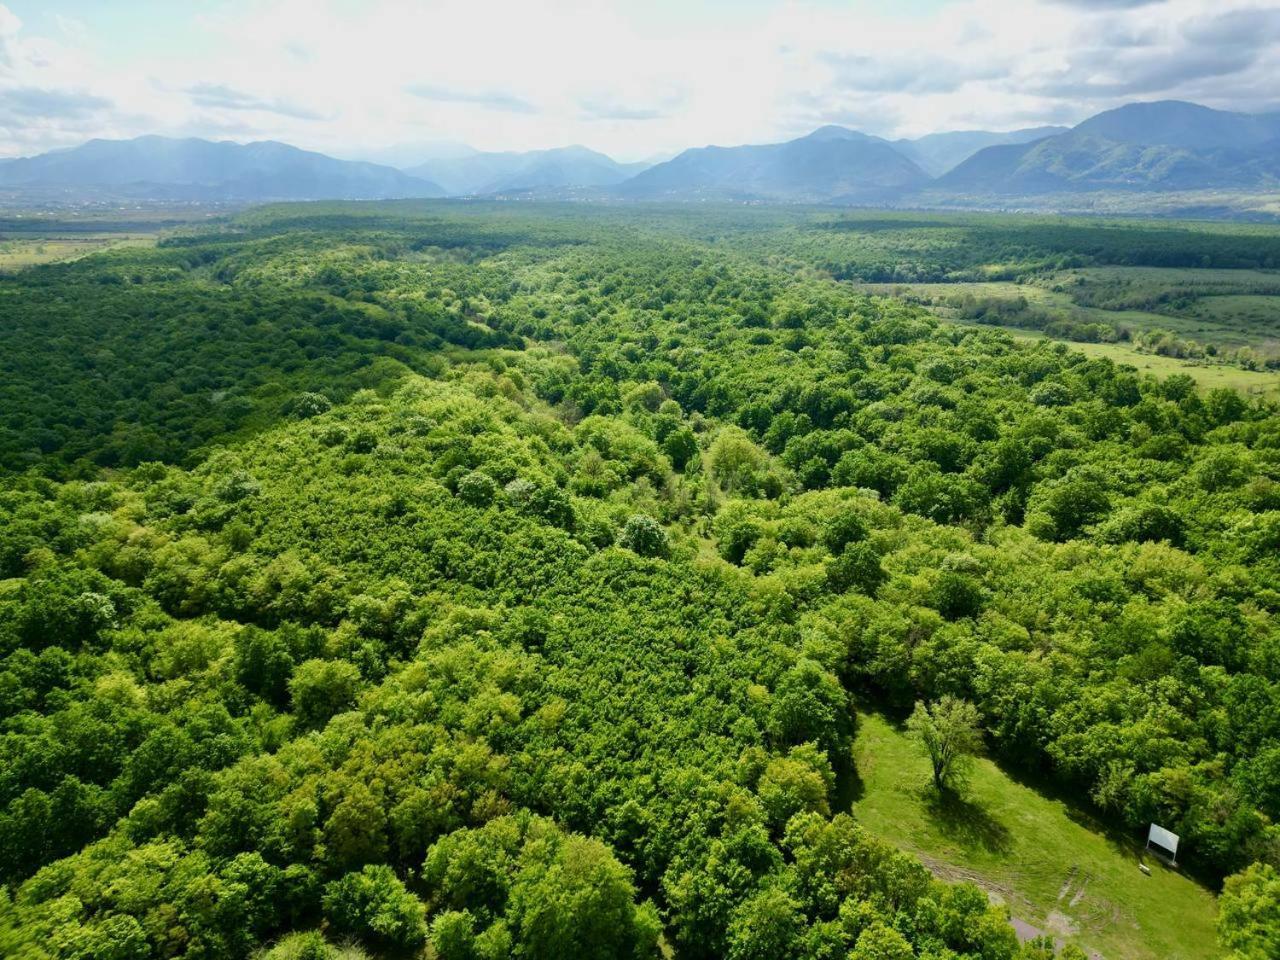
column 557, row 895
column 373, row 906
column 948, row 732
column 881, row 942
column 308, row 405
column 1249, row 918
column 770, row 924
column 306, row 945
column 477, row 489
column 798, row 783
column 735, row 463
column 453, row 935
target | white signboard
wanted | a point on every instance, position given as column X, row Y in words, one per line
column 1163, row 839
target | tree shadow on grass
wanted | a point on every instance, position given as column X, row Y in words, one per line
column 850, row 787
column 966, row 822
column 1125, row 842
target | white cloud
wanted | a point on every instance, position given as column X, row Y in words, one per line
column 634, row 79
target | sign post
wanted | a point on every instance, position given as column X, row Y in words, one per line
column 1165, row 842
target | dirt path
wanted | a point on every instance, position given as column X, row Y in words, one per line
column 1059, row 923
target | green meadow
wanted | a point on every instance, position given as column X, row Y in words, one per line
column 1052, row 864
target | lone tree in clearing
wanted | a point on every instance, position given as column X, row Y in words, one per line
column 949, row 732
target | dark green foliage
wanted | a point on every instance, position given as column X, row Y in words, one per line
column 842, row 530
column 321, row 688
column 955, row 595
column 645, row 536
column 856, row 568
column 680, row 445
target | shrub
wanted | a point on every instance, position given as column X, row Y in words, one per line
column 477, row 489
column 645, row 536
column 322, row 688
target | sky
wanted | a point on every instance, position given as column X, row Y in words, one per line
column 393, row 79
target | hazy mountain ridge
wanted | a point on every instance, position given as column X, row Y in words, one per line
column 1138, row 150
column 483, row 173
column 936, row 153
column 202, row 169
column 1165, row 145
column 1162, row 146
column 832, row 163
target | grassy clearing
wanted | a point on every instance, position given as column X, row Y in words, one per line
column 1042, row 296
column 1227, row 309
column 1255, row 317
column 1253, row 383
column 1224, row 307
column 1166, row 276
column 24, row 252
column 1228, row 321
column 1053, row 866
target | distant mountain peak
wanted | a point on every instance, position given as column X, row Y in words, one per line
column 551, row 170
column 831, row 163
column 832, row 131
column 937, row 153
column 1158, row 145
column 1179, row 123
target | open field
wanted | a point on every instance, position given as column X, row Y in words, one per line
column 1214, row 306
column 32, row 237
column 1254, row 383
column 1213, row 317
column 1046, row 295
column 1265, row 383
column 1231, row 308
column 1050, row 863
column 23, row 252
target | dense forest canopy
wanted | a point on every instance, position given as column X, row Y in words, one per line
column 499, row 582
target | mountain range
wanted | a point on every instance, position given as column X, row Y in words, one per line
column 1167, row 145
column 936, row 153
column 154, row 167
column 832, row 165
column 1140, row 149
column 477, row 174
